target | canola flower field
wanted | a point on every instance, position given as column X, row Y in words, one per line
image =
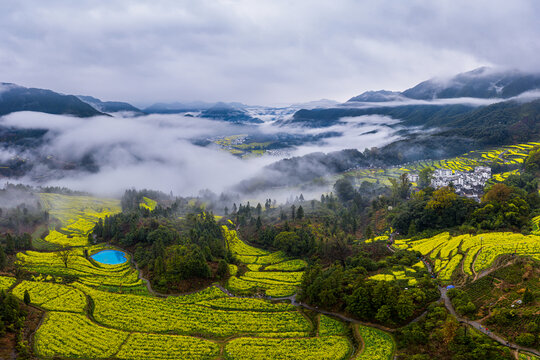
column 472, row 254
column 505, row 155
column 76, row 216
column 98, row 311
column 408, row 275
column 148, row 203
column 271, row 273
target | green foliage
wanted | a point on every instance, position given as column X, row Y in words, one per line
column 461, row 301
column 11, row 314
column 526, row 339
column 439, row 336
column 26, row 297
column 424, row 177
column 532, row 163
column 349, row 288
column 172, row 250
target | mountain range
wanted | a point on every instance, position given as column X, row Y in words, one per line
column 482, row 83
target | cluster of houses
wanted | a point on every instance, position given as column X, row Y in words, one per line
column 470, row 184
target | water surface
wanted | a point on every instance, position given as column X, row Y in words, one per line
column 110, row 257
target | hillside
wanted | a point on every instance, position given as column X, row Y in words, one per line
column 110, row 106
column 484, row 83
column 17, row 98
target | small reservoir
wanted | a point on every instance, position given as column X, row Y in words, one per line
column 110, row 257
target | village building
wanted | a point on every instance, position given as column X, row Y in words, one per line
column 466, row 183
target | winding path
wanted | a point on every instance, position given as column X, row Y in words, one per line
column 480, row 327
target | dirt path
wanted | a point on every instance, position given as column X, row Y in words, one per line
column 480, row 327
column 448, row 304
column 494, row 268
column 475, row 274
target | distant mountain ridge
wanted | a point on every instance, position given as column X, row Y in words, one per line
column 15, row 98
column 181, row 107
column 109, row 106
column 484, row 83
column 226, row 112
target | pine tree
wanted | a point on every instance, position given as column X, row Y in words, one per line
column 300, row 212
column 26, row 297
column 3, row 258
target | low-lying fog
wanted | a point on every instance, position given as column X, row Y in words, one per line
column 158, row 151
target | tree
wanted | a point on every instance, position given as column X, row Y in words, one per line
column 293, row 212
column 66, row 255
column 532, row 163
column 301, row 197
column 26, row 297
column 424, row 177
column 258, row 224
column 499, row 193
column 3, row 258
column 525, row 339
column 300, row 212
column 404, row 307
column 442, row 198
column 222, row 269
column 383, row 314
column 400, row 188
column 369, row 232
column 344, row 190
column 259, row 209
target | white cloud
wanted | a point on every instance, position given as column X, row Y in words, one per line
column 264, row 51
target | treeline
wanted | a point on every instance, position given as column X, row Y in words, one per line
column 12, row 320
column 175, row 254
column 20, row 209
column 346, row 288
column 132, row 198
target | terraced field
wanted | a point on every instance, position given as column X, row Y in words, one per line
column 148, row 203
column 473, row 254
column 505, row 155
column 377, row 344
column 76, row 215
column 121, row 277
column 408, row 275
column 271, row 273
column 105, row 312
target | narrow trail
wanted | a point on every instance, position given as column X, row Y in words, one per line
column 474, row 263
column 486, row 272
column 480, row 327
column 448, row 304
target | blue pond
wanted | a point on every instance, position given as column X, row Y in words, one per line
column 111, row 257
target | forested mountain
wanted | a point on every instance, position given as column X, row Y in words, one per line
column 479, row 83
column 232, row 114
column 18, row 98
column 109, row 106
column 482, row 83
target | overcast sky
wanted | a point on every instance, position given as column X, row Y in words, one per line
column 258, row 51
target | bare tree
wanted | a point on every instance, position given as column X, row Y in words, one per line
column 66, row 254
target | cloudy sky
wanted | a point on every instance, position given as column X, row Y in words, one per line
column 259, row 51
